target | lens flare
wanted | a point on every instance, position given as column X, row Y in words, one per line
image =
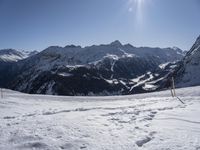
column 137, row 7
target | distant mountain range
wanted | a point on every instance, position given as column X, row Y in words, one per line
column 11, row 55
column 111, row 69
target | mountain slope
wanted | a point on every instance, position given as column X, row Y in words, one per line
column 185, row 72
column 8, row 59
column 11, row 55
column 188, row 70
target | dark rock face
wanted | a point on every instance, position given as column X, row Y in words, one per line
column 5, row 73
column 111, row 69
column 187, row 72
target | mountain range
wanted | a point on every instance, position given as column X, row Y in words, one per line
column 107, row 69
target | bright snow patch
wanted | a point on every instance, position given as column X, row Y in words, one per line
column 65, row 74
column 149, row 86
column 162, row 66
column 138, row 78
column 152, row 121
column 10, row 57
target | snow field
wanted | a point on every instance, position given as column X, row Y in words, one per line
column 153, row 121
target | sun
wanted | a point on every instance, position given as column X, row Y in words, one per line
column 137, row 7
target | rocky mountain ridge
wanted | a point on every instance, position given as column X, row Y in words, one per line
column 109, row 69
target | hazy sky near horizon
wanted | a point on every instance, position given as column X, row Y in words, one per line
column 37, row 24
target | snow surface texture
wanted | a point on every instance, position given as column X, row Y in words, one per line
column 152, row 121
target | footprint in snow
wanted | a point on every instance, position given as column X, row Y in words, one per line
column 9, row 117
column 74, row 145
column 145, row 139
column 154, row 112
column 17, row 138
column 165, row 108
column 67, row 146
column 198, row 148
column 33, row 145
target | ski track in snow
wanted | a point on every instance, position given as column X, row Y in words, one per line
column 144, row 121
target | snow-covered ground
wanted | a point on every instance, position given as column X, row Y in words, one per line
column 154, row 121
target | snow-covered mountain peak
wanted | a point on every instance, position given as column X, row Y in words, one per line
column 32, row 53
column 177, row 49
column 9, row 51
column 116, row 43
column 129, row 46
column 12, row 55
column 27, row 53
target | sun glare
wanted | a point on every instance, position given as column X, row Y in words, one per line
column 137, row 7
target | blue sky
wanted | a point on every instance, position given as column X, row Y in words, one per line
column 37, row 24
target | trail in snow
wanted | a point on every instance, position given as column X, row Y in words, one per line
column 144, row 121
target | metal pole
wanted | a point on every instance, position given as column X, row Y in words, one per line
column 171, row 92
column 173, row 85
column 180, row 100
column 1, row 93
column 174, row 92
